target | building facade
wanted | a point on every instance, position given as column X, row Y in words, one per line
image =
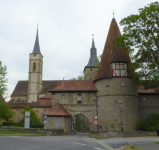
column 105, row 92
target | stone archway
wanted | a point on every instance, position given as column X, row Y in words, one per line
column 80, row 123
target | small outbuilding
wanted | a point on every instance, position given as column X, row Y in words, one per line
column 58, row 118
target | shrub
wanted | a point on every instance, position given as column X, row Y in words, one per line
column 13, row 124
column 32, row 125
column 151, row 123
column 36, row 125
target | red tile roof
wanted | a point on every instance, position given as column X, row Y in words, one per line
column 152, row 91
column 47, row 96
column 75, row 85
column 58, row 110
column 111, row 54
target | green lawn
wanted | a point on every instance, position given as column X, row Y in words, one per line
column 156, row 142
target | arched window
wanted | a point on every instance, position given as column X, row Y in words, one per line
column 119, row 69
column 34, row 66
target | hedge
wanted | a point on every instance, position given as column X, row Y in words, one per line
column 33, row 125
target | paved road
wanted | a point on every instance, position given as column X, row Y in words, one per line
column 73, row 142
column 145, row 143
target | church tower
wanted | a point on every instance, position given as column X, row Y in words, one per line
column 35, row 72
column 117, row 99
column 91, row 69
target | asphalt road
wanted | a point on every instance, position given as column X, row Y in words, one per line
column 145, row 143
column 73, row 142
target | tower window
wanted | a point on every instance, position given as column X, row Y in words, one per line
column 91, row 69
column 119, row 69
column 34, row 67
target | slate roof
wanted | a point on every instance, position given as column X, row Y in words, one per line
column 111, row 54
column 93, row 61
column 36, row 45
column 75, row 85
column 21, row 88
column 58, row 110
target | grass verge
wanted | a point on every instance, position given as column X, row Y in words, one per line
column 156, row 142
column 131, row 147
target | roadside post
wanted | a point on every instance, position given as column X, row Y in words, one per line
column 27, row 119
column 45, row 118
column 95, row 120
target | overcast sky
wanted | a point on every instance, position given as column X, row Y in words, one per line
column 65, row 33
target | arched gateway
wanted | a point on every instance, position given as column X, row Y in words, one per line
column 80, row 123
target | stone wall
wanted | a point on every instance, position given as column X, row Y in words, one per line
column 18, row 107
column 42, row 131
column 87, row 107
column 90, row 73
column 110, row 134
column 59, row 123
column 148, row 103
column 117, row 105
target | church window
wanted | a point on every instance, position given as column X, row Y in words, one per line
column 34, row 66
column 119, row 69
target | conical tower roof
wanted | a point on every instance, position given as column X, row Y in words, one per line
column 36, row 45
column 93, row 60
column 111, row 54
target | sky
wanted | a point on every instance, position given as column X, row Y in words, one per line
column 65, row 29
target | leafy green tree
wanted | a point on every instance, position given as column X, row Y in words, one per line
column 77, row 123
column 141, row 40
column 33, row 116
column 151, row 123
column 3, row 80
column 5, row 112
column 82, row 76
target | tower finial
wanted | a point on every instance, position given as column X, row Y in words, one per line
column 113, row 13
column 93, row 45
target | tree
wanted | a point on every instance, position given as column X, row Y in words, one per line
column 141, row 40
column 3, row 80
column 33, row 116
column 80, row 77
column 151, row 123
column 5, row 111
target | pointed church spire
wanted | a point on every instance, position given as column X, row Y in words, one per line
column 93, row 61
column 111, row 54
column 93, row 45
column 36, row 45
